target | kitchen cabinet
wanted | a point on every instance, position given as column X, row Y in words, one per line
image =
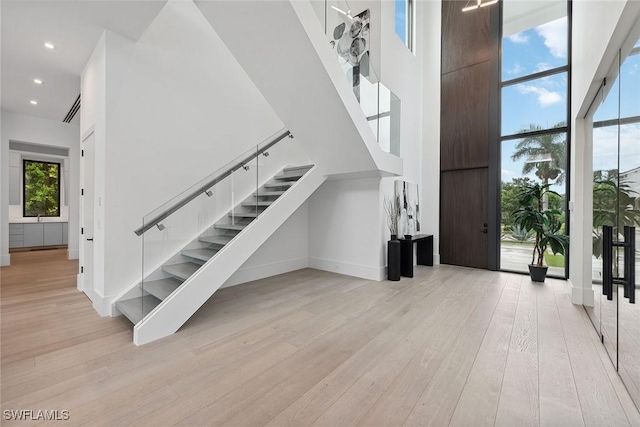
column 33, row 235
column 26, row 235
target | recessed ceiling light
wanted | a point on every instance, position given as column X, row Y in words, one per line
column 37, row 81
column 49, row 45
column 34, row 102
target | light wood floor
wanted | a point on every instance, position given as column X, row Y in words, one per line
column 453, row 346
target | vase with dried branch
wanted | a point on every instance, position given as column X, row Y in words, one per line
column 392, row 208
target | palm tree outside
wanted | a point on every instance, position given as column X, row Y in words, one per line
column 545, row 155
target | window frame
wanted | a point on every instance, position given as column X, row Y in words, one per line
column 24, row 188
column 566, row 129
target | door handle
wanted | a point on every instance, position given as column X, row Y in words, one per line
column 90, row 240
column 484, row 230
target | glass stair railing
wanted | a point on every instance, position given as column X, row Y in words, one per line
column 349, row 37
column 184, row 233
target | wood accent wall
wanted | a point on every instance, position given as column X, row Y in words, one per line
column 464, row 123
column 466, row 114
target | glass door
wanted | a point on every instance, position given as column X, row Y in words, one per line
column 606, row 167
column 616, row 202
column 629, row 196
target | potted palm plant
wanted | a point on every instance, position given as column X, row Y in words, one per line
column 533, row 216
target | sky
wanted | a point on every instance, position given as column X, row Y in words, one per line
column 544, row 101
column 625, row 96
column 401, row 19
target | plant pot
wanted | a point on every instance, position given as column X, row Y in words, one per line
column 538, row 274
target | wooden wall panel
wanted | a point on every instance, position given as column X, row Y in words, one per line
column 469, row 65
column 463, row 206
column 465, row 35
column 464, row 118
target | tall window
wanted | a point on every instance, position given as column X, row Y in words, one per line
column 535, row 112
column 41, row 188
column 404, row 22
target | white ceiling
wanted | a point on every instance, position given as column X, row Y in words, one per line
column 523, row 15
column 74, row 27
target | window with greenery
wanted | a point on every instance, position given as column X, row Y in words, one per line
column 534, row 115
column 41, row 188
column 404, row 21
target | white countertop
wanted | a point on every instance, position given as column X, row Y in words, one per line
column 31, row 220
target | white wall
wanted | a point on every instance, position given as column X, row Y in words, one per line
column 18, row 127
column 430, row 197
column 177, row 107
column 345, row 234
column 352, row 211
column 297, row 72
column 593, row 52
column 286, row 250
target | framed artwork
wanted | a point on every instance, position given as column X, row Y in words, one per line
column 351, row 42
column 408, row 199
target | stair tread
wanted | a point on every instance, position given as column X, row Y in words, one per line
column 221, row 240
column 162, row 288
column 182, row 271
column 260, row 203
column 290, row 175
column 203, row 254
column 279, row 184
column 136, row 309
column 293, row 168
column 243, row 214
column 236, row 227
column 269, row 193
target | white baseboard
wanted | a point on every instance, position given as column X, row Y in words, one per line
column 5, row 260
column 436, row 259
column 103, row 306
column 580, row 295
column 73, row 254
column 250, row 274
column 100, row 304
column 361, row 271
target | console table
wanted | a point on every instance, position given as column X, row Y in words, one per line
column 424, row 243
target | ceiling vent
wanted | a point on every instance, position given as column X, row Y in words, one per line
column 73, row 110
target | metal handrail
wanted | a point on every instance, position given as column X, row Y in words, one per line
column 206, row 186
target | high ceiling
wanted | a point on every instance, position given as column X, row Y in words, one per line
column 74, row 27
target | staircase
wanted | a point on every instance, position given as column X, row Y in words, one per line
column 207, row 253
